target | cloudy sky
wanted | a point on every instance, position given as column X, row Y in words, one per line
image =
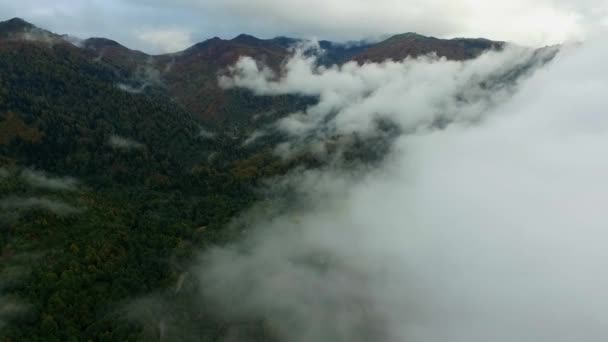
column 163, row 25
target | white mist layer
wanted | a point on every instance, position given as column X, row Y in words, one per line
column 495, row 231
column 414, row 93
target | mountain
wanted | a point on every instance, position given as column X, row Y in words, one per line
column 189, row 77
column 405, row 45
column 117, row 166
column 103, row 191
column 117, row 54
column 19, row 29
column 15, row 26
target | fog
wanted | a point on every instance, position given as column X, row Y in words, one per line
column 413, row 94
column 16, row 204
column 124, row 143
column 491, row 227
column 41, row 180
column 144, row 77
column 8, row 308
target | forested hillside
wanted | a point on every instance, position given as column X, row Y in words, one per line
column 116, row 166
column 147, row 182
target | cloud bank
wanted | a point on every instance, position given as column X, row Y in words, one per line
column 412, row 94
column 491, row 229
column 14, row 203
column 41, row 180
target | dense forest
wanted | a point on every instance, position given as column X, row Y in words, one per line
column 105, row 195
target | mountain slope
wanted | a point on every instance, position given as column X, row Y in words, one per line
column 116, row 166
column 19, row 29
column 110, row 187
column 189, row 77
column 413, row 45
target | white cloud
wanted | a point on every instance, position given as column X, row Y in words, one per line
column 41, row 180
column 8, row 308
column 413, row 93
column 165, row 40
column 130, row 89
column 206, row 134
column 484, row 231
column 123, row 143
column 13, row 203
column 253, row 137
column 145, row 75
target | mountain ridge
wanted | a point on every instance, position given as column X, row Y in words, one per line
column 118, row 168
column 243, row 38
column 189, row 76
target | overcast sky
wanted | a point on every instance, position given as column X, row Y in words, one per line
column 165, row 26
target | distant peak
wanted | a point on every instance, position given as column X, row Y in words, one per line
column 15, row 25
column 18, row 21
column 409, row 36
column 206, row 43
column 286, row 42
column 245, row 38
column 97, row 43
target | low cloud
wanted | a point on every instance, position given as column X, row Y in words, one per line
column 15, row 203
column 37, row 35
column 8, row 308
column 491, row 228
column 253, row 137
column 42, row 180
column 145, row 75
column 131, row 89
column 204, row 133
column 14, row 272
column 123, row 143
column 412, row 94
